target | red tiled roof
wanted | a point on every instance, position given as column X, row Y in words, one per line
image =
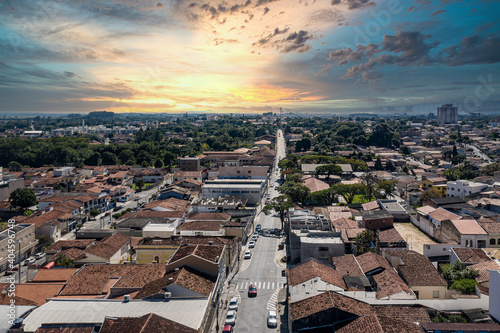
column 468, row 227
column 470, row 256
column 311, row 269
column 65, row 329
column 201, row 226
column 347, row 265
column 482, row 267
column 147, row 323
column 390, row 235
column 417, row 269
column 79, row 243
column 315, row 185
column 372, row 205
column 207, row 252
column 209, row 217
column 185, row 277
column 344, row 223
column 442, row 214
column 377, row 324
column 390, row 284
column 108, row 246
column 38, row 292
column 370, row 261
column 54, row 275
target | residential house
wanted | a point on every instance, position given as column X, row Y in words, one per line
column 428, row 183
column 376, row 219
column 466, row 232
column 120, row 178
column 419, row 273
column 174, row 191
column 181, row 175
column 311, row 277
column 210, row 259
column 111, row 250
column 467, row 256
column 464, row 188
column 493, row 230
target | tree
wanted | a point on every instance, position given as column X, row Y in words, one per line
column 158, row 164
column 140, row 183
column 456, row 272
column 328, row 170
column 378, row 164
column 323, row 197
column 108, row 158
column 389, row 166
column 429, row 194
column 15, row 166
column 349, row 191
column 363, row 241
column 296, row 191
column 490, row 169
column 386, row 188
column 94, row 212
column 303, row 144
column 405, row 150
column 23, row 197
column 280, row 205
column 44, row 242
column 370, row 181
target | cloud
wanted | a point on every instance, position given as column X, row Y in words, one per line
column 270, row 36
column 474, row 49
column 403, row 49
column 266, row 10
column 296, row 42
column 353, row 4
column 437, row 12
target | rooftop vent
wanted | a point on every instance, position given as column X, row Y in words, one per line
column 126, row 298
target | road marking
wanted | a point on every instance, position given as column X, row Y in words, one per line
column 271, row 304
column 258, row 285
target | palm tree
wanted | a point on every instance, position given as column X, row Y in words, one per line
column 140, row 183
column 363, row 240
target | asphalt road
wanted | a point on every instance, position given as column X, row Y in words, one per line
column 262, row 270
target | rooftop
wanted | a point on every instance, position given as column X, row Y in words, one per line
column 311, row 269
column 468, row 227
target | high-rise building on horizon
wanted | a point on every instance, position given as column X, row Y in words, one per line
column 447, row 113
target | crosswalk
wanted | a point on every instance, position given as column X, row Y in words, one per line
column 260, row 285
column 273, row 301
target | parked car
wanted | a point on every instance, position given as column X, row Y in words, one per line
column 107, row 214
column 40, row 255
column 267, row 201
column 11, row 271
column 228, row 329
column 248, row 255
column 251, row 245
column 233, row 304
column 272, row 320
column 257, row 227
column 29, row 261
column 252, row 290
column 137, row 198
column 230, row 318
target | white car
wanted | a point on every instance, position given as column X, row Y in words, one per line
column 272, row 320
column 233, row 304
column 251, row 245
column 40, row 255
column 230, row 317
column 248, row 255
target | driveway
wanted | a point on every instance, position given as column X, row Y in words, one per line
column 413, row 236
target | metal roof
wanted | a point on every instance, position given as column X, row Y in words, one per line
column 189, row 312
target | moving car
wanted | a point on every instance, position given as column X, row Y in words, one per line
column 252, row 290
column 228, row 329
column 248, row 255
column 230, row 318
column 251, row 245
column 40, row 255
column 272, row 320
column 11, row 271
column 233, row 304
column 29, row 261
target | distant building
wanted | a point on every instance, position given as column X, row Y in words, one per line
column 447, row 113
column 464, row 188
column 189, row 164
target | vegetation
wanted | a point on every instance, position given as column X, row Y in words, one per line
column 280, row 205
column 23, row 198
column 94, row 212
column 458, row 272
column 465, row 286
column 363, row 242
column 44, row 242
column 452, row 318
column 63, row 261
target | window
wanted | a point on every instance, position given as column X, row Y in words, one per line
column 492, row 241
column 435, row 294
column 156, row 259
column 249, row 171
column 323, row 249
column 498, row 241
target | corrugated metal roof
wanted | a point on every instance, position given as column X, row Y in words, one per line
column 189, row 312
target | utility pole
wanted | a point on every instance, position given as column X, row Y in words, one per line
column 19, row 272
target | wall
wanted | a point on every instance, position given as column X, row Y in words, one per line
column 426, row 292
column 438, row 250
column 10, row 187
column 494, row 301
column 449, row 231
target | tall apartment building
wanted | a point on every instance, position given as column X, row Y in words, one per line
column 189, row 164
column 447, row 113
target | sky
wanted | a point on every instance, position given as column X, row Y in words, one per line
column 246, row 56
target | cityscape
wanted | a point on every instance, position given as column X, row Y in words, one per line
column 249, row 166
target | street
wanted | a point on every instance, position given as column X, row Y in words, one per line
column 263, row 269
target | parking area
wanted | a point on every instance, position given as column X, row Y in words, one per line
column 413, row 236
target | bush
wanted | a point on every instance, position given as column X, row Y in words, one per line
column 466, row 286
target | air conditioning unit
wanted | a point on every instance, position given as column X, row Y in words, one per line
column 126, row 298
column 168, row 295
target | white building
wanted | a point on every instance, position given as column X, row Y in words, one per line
column 447, row 113
column 464, row 188
column 250, row 189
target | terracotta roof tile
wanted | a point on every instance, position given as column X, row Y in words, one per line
column 442, row 214
column 71, row 253
column 108, row 246
column 142, row 275
column 470, row 256
column 372, row 205
column 370, row 261
column 409, row 313
column 377, row 324
column 201, row 226
column 327, row 300
column 491, row 227
column 390, row 284
column 38, row 292
column 311, row 269
column 347, row 265
column 390, row 235
column 417, row 269
column 66, row 244
column 315, row 185
column 65, row 329
column 54, row 275
column 482, row 267
column 468, row 227
column 185, row 277
column 344, row 223
column 190, row 240
column 147, row 323
column 209, row 217
column 207, row 252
